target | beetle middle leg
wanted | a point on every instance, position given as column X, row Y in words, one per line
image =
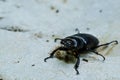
column 52, row 54
column 98, row 54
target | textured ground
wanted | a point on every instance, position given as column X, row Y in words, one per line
column 28, row 29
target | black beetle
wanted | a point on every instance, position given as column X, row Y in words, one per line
column 79, row 43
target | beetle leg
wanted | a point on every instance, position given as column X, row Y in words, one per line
column 85, row 60
column 106, row 44
column 77, row 64
column 99, row 55
column 52, row 54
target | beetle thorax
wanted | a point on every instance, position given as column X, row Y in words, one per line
column 74, row 42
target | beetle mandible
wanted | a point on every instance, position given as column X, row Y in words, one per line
column 78, row 43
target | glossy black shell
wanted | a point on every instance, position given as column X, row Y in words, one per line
column 91, row 41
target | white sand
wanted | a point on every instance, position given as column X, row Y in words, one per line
column 39, row 21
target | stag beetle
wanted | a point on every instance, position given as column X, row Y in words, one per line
column 78, row 43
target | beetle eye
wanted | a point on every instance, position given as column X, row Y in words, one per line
column 68, row 42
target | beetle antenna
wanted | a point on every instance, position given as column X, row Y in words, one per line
column 57, row 39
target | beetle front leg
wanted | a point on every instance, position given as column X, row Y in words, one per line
column 52, row 54
column 77, row 64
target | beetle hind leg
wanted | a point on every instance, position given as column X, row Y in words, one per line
column 106, row 44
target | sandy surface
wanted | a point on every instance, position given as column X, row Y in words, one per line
column 28, row 29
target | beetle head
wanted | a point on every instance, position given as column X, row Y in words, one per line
column 68, row 43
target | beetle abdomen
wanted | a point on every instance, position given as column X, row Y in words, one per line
column 91, row 41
